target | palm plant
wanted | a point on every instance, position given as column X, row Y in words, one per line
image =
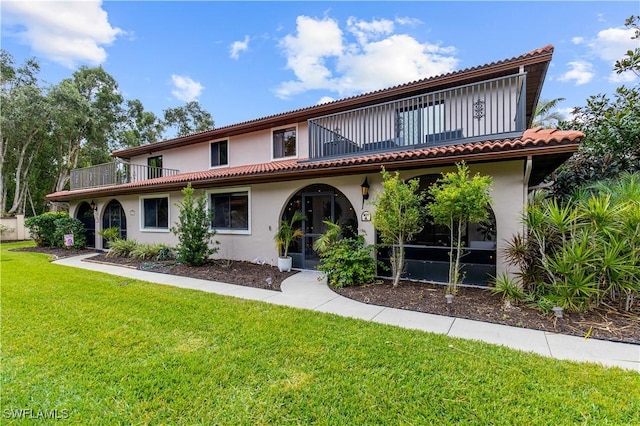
column 287, row 233
column 545, row 116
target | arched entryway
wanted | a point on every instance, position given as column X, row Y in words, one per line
column 427, row 255
column 318, row 202
column 84, row 214
column 114, row 216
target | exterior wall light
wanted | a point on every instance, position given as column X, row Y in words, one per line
column 93, row 206
column 365, row 190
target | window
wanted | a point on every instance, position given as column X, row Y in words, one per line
column 219, row 153
column 155, row 167
column 284, row 143
column 230, row 210
column 155, row 213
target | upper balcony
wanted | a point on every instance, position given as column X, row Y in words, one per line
column 115, row 173
column 489, row 109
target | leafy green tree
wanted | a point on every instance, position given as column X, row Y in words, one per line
column 458, row 199
column 612, row 132
column 139, row 127
column 24, row 114
column 398, row 216
column 631, row 60
column 193, row 229
column 86, row 120
column 187, row 119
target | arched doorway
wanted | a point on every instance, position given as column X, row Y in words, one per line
column 427, row 255
column 85, row 215
column 318, row 202
column 114, row 216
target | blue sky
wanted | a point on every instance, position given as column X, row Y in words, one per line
column 245, row 60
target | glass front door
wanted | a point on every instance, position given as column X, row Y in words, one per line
column 319, row 203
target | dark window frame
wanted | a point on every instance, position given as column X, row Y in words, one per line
column 220, row 151
column 157, row 206
column 154, row 167
column 227, row 202
column 279, row 136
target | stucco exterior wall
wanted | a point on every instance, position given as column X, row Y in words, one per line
column 250, row 148
column 267, row 202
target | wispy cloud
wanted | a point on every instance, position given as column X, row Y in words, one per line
column 185, row 89
column 580, row 72
column 69, row 33
column 612, row 43
column 238, row 46
column 364, row 56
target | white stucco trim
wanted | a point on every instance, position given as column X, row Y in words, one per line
column 141, row 210
column 246, row 189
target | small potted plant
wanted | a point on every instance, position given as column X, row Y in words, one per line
column 285, row 235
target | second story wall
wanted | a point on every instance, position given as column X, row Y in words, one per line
column 241, row 150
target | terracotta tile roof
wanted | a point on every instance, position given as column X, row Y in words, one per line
column 533, row 142
column 301, row 113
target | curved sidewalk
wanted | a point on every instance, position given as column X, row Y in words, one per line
column 307, row 290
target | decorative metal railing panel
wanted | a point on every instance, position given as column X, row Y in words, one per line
column 115, row 173
column 492, row 108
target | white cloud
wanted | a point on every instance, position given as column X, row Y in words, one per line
column 322, row 56
column 577, row 40
column 66, row 32
column 625, row 77
column 581, row 72
column 325, row 100
column 612, row 43
column 239, row 46
column 365, row 31
column 185, row 89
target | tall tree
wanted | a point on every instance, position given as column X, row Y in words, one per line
column 612, row 132
column 86, row 120
column 139, row 127
column 24, row 113
column 546, row 114
column 187, row 119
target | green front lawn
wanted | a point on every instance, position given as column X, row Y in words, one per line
column 110, row 350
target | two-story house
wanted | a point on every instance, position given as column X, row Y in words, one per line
column 323, row 158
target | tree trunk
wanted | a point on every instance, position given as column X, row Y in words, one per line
column 398, row 261
column 456, row 277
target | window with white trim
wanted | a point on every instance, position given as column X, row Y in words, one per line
column 285, row 143
column 230, row 211
column 219, row 153
column 155, row 213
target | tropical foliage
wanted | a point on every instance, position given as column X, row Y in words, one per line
column 586, row 252
column 288, row 232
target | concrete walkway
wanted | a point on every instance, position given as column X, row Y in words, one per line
column 307, row 290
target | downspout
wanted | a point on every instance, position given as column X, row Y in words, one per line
column 525, row 189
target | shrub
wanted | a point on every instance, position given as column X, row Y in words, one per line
column 121, row 248
column 583, row 253
column 348, row 262
column 110, row 234
column 43, row 228
column 148, row 251
column 193, row 231
column 508, row 288
column 68, row 225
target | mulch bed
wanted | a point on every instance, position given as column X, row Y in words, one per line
column 472, row 303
